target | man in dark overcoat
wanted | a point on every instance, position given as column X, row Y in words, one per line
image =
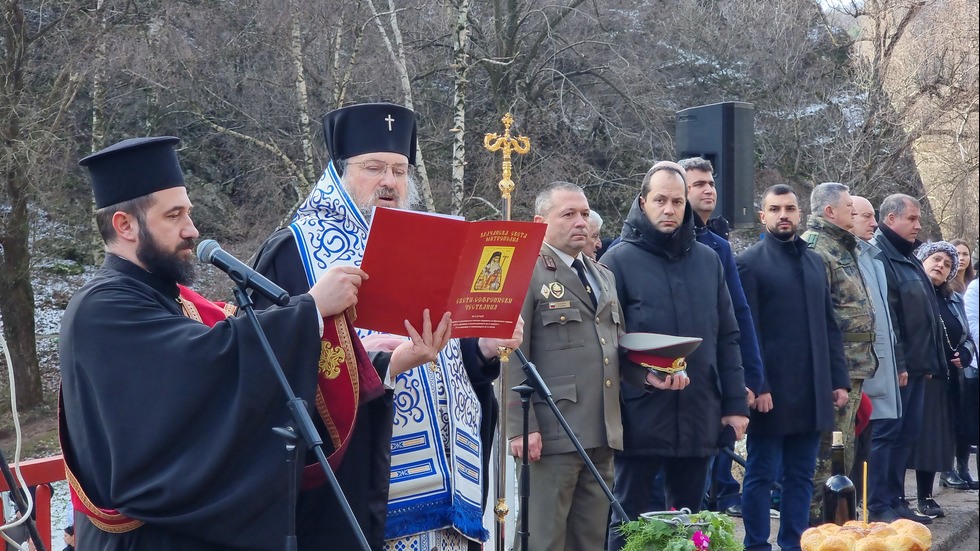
column 671, row 284
column 805, row 370
column 918, row 354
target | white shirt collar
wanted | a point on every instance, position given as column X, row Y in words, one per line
column 567, row 259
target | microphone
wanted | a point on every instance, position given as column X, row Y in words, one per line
column 210, row 252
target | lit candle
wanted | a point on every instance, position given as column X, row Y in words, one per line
column 864, row 497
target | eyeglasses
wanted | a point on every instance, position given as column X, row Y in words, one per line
column 377, row 169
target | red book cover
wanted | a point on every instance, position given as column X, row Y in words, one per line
column 478, row 271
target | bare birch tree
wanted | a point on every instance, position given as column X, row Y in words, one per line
column 460, row 68
column 396, row 48
column 34, row 99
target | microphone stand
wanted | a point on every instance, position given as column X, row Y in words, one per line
column 306, row 430
column 535, row 381
column 524, row 484
column 18, row 498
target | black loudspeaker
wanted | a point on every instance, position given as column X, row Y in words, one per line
column 723, row 133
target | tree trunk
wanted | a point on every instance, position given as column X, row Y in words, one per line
column 302, row 99
column 16, row 292
column 460, row 69
column 396, row 48
column 98, row 121
column 343, row 76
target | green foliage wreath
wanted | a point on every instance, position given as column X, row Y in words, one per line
column 704, row 531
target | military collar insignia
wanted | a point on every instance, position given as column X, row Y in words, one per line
column 549, row 262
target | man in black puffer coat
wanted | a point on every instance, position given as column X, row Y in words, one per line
column 918, row 354
column 669, row 283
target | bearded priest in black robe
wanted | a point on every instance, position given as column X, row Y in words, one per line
column 167, row 421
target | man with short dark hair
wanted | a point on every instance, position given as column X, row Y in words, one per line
column 828, row 234
column 574, row 322
column 805, row 371
column 671, row 284
column 702, row 196
column 167, row 422
column 918, row 354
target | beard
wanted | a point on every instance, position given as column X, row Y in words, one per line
column 782, row 235
column 403, row 202
column 166, row 264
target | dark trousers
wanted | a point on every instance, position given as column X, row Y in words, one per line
column 799, row 458
column 891, row 444
column 683, row 486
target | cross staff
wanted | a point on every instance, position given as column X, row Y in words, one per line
column 521, row 145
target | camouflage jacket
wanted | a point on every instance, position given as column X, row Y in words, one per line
column 853, row 308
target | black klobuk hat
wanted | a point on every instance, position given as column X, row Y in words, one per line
column 662, row 354
column 133, row 168
column 370, row 128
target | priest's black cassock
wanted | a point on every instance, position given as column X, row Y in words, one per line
column 170, row 422
column 364, row 472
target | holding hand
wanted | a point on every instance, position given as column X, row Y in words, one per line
column 738, row 422
column 674, row 381
column 336, row 290
column 490, row 348
column 420, row 348
column 533, row 446
column 840, row 397
column 763, row 403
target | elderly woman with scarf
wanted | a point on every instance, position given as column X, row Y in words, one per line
column 937, row 439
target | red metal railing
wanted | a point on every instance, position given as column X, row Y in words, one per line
column 41, row 473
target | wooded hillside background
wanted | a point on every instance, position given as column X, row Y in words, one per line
column 881, row 95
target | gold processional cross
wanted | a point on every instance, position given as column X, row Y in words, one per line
column 521, row 145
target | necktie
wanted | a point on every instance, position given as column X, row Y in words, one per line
column 580, row 268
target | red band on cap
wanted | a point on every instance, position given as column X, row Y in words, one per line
column 669, row 365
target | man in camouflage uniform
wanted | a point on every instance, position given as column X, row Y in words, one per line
column 828, row 235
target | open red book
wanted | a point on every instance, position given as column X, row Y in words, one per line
column 478, row 271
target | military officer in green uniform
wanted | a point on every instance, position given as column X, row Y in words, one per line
column 829, row 235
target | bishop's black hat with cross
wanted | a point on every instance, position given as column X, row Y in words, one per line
column 370, row 128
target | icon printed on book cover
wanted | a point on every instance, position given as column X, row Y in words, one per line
column 494, row 263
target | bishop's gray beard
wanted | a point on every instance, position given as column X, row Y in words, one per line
column 405, row 203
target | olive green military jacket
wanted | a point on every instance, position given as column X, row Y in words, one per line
column 853, row 307
column 574, row 346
